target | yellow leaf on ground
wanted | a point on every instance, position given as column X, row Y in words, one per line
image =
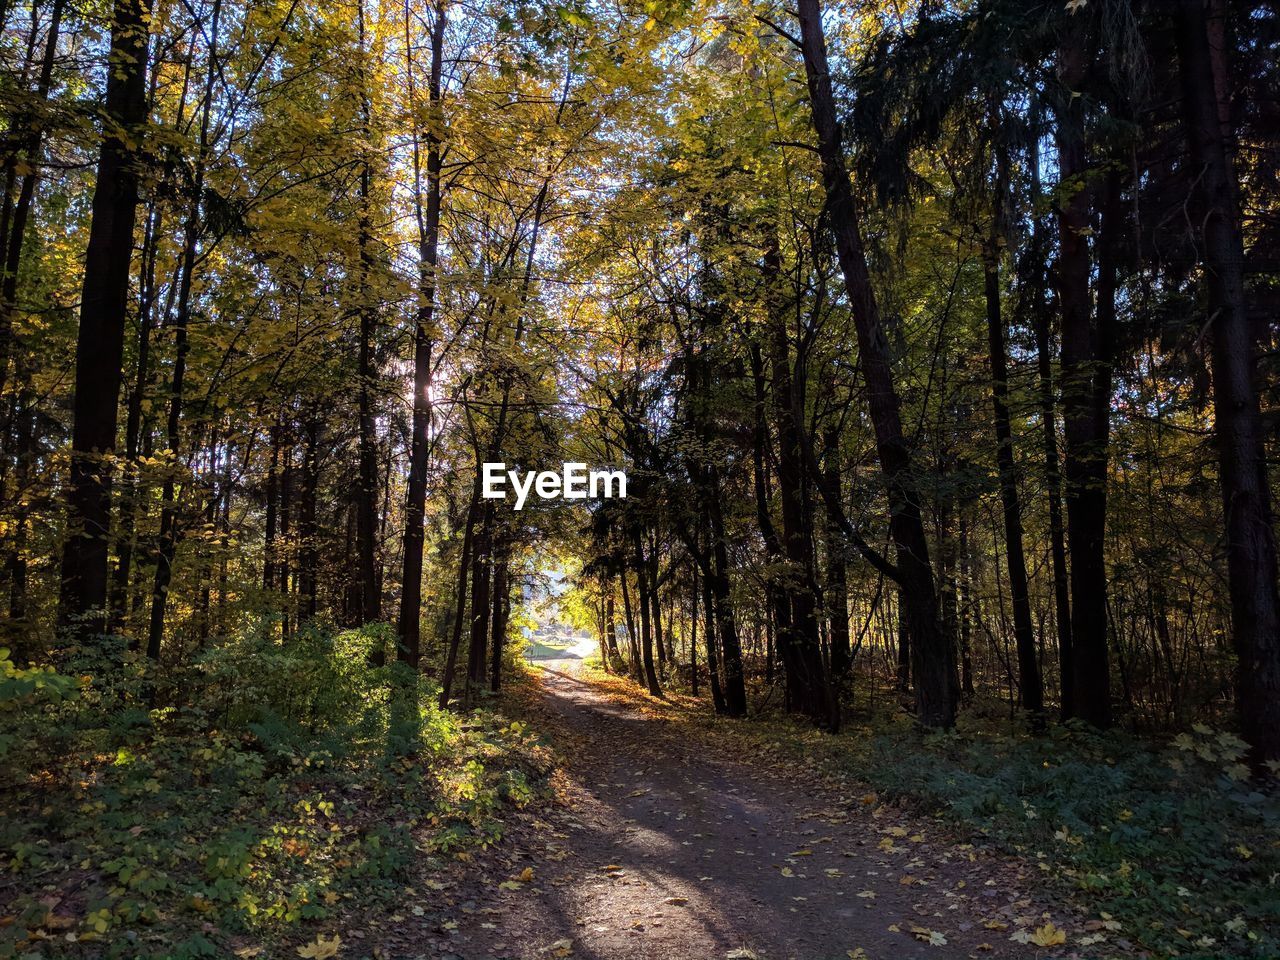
column 321, row 948
column 526, row 875
column 1048, row 936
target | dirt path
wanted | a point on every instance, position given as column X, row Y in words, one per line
column 669, row 847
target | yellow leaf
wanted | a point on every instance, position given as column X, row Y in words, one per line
column 321, row 948
column 1048, row 936
column 526, row 875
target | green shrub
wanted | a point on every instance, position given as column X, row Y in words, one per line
column 272, row 780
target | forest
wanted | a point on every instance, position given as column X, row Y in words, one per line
column 936, row 340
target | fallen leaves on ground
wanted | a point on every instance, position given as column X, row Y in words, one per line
column 321, row 948
column 1049, row 936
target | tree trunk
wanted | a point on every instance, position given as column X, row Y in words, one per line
column 610, row 624
column 808, row 689
column 308, row 531
column 735, row 690
column 481, row 580
column 693, row 632
column 1251, row 548
column 837, row 589
column 410, row 619
column 646, row 607
column 464, row 567
column 1082, row 371
column 367, row 491
column 103, row 309
column 1029, row 682
column 501, row 612
column 933, row 653
column 167, row 552
column 1049, row 444
column 713, row 668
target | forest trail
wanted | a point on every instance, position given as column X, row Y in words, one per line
column 666, row 845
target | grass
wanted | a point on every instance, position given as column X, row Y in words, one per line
column 296, row 784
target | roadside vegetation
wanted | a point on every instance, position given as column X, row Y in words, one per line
column 293, row 783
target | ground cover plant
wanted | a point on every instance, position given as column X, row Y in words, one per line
column 293, row 783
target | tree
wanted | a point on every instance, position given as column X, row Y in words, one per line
column 933, row 653
column 1246, row 495
column 103, row 308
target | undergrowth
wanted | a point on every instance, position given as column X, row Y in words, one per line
column 1168, row 850
column 284, row 784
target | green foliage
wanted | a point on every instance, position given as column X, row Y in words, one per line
column 296, row 776
column 26, row 687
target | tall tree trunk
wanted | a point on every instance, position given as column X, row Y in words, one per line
column 271, row 494
column 1040, row 321
column 646, row 612
column 1029, row 683
column 735, row 690
column 963, row 612
column 367, row 492
column 610, row 624
column 424, row 334
column 776, row 600
column 713, row 668
column 501, row 612
column 655, row 601
column 693, row 631
column 808, row 689
column 130, row 500
column 837, row 590
column 191, row 237
column 284, row 560
column 103, row 308
column 464, row 567
column 308, row 530
column 1081, row 369
column 481, row 581
column 932, row 651
column 1251, row 548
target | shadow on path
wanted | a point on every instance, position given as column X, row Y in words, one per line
column 669, row 846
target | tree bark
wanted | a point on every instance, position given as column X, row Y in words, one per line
column 1030, row 686
column 1251, row 548
column 808, row 686
column 646, row 608
column 932, row 651
column 1082, row 373
column 501, row 612
column 410, row 619
column 367, row 491
column 837, row 588
column 103, row 308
